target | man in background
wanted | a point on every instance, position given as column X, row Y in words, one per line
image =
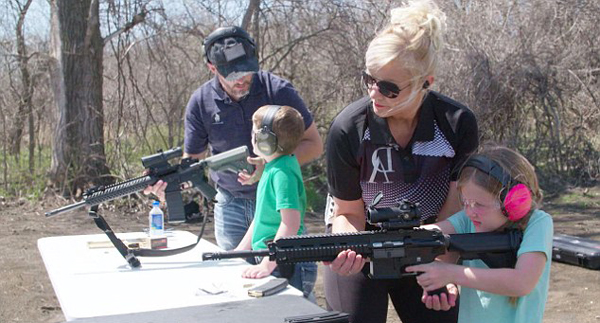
column 219, row 115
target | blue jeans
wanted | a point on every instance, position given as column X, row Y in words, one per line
column 304, row 278
column 233, row 217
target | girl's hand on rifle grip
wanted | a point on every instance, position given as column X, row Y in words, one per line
column 434, row 275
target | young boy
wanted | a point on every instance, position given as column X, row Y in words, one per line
column 280, row 197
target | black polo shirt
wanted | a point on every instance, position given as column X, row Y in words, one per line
column 363, row 157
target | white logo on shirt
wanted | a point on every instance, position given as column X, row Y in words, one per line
column 217, row 119
column 378, row 166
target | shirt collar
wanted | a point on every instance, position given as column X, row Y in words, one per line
column 426, row 127
column 378, row 128
column 380, row 131
column 220, row 94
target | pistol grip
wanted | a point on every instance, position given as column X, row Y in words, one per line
column 439, row 292
column 247, row 167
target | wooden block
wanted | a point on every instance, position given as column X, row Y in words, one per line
column 145, row 243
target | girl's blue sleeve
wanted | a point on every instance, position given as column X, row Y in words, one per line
column 461, row 223
column 538, row 234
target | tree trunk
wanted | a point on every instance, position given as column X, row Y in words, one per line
column 25, row 105
column 253, row 7
column 76, row 48
column 27, row 95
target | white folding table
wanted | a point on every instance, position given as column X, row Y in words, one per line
column 94, row 282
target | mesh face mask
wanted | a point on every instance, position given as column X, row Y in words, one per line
column 236, row 76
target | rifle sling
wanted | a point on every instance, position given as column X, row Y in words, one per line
column 130, row 254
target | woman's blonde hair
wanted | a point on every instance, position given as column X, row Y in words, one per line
column 414, row 36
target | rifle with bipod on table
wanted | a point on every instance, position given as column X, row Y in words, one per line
column 189, row 170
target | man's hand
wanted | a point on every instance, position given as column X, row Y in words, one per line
column 259, row 166
column 157, row 189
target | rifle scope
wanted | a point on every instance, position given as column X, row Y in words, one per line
column 405, row 215
column 161, row 158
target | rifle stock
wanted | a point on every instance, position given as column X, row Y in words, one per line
column 232, row 160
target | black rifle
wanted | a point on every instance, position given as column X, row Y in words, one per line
column 188, row 170
column 399, row 243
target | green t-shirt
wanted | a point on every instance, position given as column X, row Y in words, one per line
column 280, row 187
column 480, row 306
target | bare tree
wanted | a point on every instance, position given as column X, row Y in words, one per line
column 77, row 72
column 4, row 144
column 25, row 110
column 529, row 69
column 253, row 7
column 530, row 72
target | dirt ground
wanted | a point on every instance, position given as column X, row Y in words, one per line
column 27, row 295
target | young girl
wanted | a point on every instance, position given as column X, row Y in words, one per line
column 498, row 189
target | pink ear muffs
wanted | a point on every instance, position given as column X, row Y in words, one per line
column 517, row 202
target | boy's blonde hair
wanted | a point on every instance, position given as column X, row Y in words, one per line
column 288, row 126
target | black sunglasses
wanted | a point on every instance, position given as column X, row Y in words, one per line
column 387, row 89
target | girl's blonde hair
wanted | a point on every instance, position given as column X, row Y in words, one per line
column 414, row 38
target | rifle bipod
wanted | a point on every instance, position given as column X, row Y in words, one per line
column 131, row 254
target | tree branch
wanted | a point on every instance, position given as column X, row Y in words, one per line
column 92, row 21
column 137, row 19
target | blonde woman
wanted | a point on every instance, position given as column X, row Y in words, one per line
column 405, row 141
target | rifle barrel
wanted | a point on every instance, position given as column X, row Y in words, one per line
column 234, row 254
column 109, row 193
column 66, row 208
column 190, row 170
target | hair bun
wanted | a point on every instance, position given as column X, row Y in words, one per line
column 419, row 20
